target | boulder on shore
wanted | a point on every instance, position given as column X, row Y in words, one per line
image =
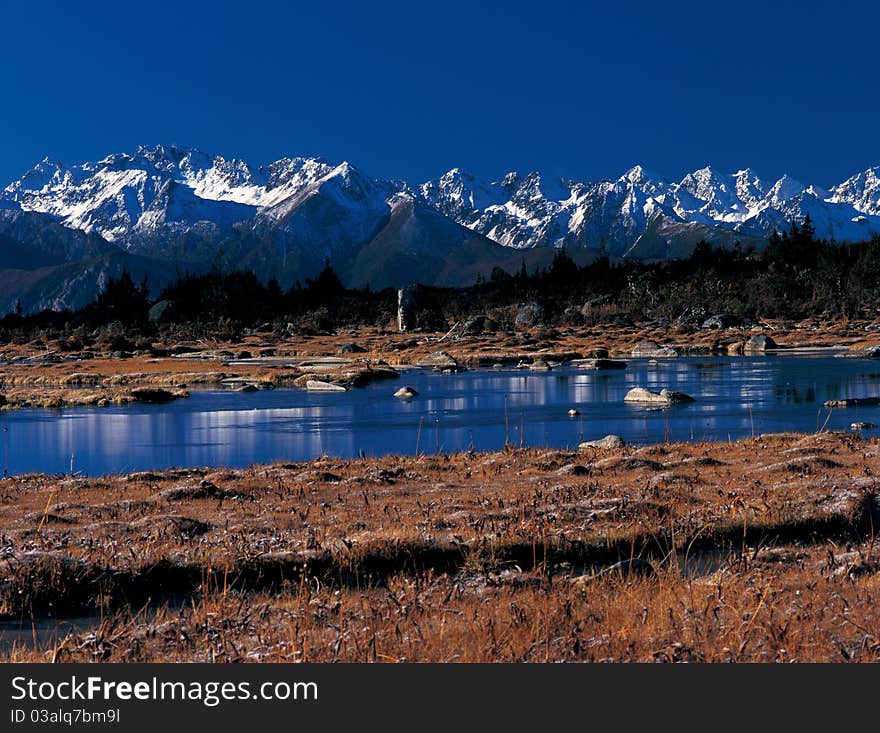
column 663, row 397
column 653, row 349
column 721, row 321
column 477, row 325
column 158, row 311
column 609, row 441
column 439, row 359
column 758, row 344
column 529, row 315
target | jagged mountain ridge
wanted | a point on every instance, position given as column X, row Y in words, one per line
column 177, row 208
column 135, row 199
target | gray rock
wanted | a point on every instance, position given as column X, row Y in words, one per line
column 865, row 425
column 758, row 344
column 599, row 353
column 692, row 317
column 406, row 393
column 528, row 315
column 351, row 348
column 653, row 349
column 158, row 310
column 439, row 359
column 315, row 385
column 539, row 365
column 721, row 321
column 663, row 397
column 609, row 441
column 477, row 325
column 854, row 402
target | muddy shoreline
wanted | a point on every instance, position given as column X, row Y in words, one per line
column 44, row 375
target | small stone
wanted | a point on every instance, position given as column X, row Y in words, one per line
column 596, row 364
column 406, row 393
column 609, row 441
column 314, row 385
column 854, row 402
column 539, row 365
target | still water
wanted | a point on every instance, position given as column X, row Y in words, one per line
column 483, row 408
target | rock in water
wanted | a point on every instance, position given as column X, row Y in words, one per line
column 573, row 413
column 609, row 441
column 439, row 359
column 314, row 385
column 406, row 393
column 865, row 425
column 539, row 365
column 854, row 402
column 663, row 397
column 596, row 364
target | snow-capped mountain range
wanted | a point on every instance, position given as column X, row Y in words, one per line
column 183, row 207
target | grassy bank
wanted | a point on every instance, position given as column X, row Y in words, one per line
column 761, row 549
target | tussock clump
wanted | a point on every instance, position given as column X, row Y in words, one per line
column 203, row 490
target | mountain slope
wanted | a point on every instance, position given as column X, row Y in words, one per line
column 175, row 209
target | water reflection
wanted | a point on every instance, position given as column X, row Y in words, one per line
column 482, row 409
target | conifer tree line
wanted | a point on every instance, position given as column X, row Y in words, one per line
column 796, row 275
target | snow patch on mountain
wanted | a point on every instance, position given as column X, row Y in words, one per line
column 161, row 192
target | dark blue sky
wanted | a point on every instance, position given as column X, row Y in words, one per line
column 410, row 89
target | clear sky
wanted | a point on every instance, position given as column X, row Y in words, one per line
column 411, row 89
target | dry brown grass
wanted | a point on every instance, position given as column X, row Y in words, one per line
column 756, row 550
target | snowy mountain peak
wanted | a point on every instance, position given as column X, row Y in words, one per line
column 784, row 189
column 639, row 176
column 862, row 191
column 146, row 200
